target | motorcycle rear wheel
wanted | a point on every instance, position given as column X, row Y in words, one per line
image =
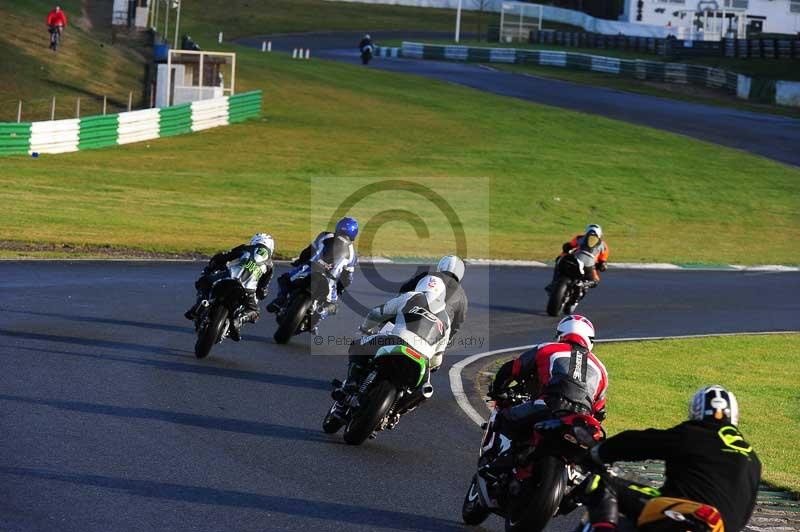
column 292, row 319
column 557, row 297
column 380, row 398
column 211, row 334
column 540, row 497
column 473, row 512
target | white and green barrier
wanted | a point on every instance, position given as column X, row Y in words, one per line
column 62, row 136
column 745, row 87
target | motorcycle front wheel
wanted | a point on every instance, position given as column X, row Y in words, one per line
column 540, row 497
column 379, row 399
column 557, row 297
column 210, row 335
column 473, row 512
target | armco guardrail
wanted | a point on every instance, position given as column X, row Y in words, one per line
column 759, row 90
column 61, row 136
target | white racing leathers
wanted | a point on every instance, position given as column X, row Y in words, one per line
column 420, row 319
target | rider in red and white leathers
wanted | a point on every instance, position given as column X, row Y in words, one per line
column 564, row 377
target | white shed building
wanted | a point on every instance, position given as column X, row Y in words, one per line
column 769, row 16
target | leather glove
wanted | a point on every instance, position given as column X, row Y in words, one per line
column 602, row 266
column 567, row 247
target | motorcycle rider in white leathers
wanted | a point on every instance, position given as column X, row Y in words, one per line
column 417, row 319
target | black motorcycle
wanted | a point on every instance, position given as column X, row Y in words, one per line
column 366, row 54
column 573, row 281
column 540, row 471
column 213, row 321
column 303, row 309
column 393, row 387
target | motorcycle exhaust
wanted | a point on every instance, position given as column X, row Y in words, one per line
column 427, row 390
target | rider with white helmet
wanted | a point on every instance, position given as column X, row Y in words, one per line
column 564, row 377
column 252, row 265
column 707, row 461
column 418, row 319
column 450, row 269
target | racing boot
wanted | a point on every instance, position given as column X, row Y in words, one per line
column 355, row 372
column 248, row 316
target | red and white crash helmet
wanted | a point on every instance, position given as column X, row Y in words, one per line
column 576, row 328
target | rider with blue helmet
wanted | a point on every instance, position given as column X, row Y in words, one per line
column 335, row 251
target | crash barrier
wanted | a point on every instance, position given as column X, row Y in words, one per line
column 61, row 136
column 742, row 48
column 549, row 13
column 745, row 87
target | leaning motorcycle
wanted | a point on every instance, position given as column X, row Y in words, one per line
column 544, row 470
column 213, row 321
column 304, row 304
column 573, row 281
column 394, row 386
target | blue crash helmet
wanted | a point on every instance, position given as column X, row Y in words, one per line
column 347, row 226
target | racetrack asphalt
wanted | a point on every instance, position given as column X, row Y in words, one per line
column 772, row 136
column 108, row 422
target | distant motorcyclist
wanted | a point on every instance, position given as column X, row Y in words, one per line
column 707, row 461
column 564, row 377
column 450, row 270
column 590, row 241
column 420, row 321
column 365, row 47
column 253, row 266
column 335, row 253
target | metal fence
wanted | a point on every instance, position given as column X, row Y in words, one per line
column 59, row 107
column 743, row 48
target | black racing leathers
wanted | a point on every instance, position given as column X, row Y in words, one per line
column 455, row 298
column 706, row 462
column 217, row 269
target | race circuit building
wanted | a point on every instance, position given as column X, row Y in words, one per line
column 715, row 19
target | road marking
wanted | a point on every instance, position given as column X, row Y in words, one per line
column 457, row 384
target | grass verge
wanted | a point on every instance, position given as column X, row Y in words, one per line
column 661, row 197
column 651, row 382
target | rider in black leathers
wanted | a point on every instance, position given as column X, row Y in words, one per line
column 217, row 269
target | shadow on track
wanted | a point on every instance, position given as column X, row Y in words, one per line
column 201, row 369
column 106, row 321
column 222, row 424
column 329, row 511
column 93, row 342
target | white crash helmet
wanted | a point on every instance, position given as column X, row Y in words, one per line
column 434, row 290
column 263, row 239
column 594, row 228
column 714, row 402
column 576, row 328
column 453, row 265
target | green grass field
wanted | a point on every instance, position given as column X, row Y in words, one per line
column 661, row 197
column 650, row 384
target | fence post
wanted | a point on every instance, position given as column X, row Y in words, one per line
column 53, row 109
column 19, row 112
column 78, row 107
column 130, row 100
column 105, row 101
